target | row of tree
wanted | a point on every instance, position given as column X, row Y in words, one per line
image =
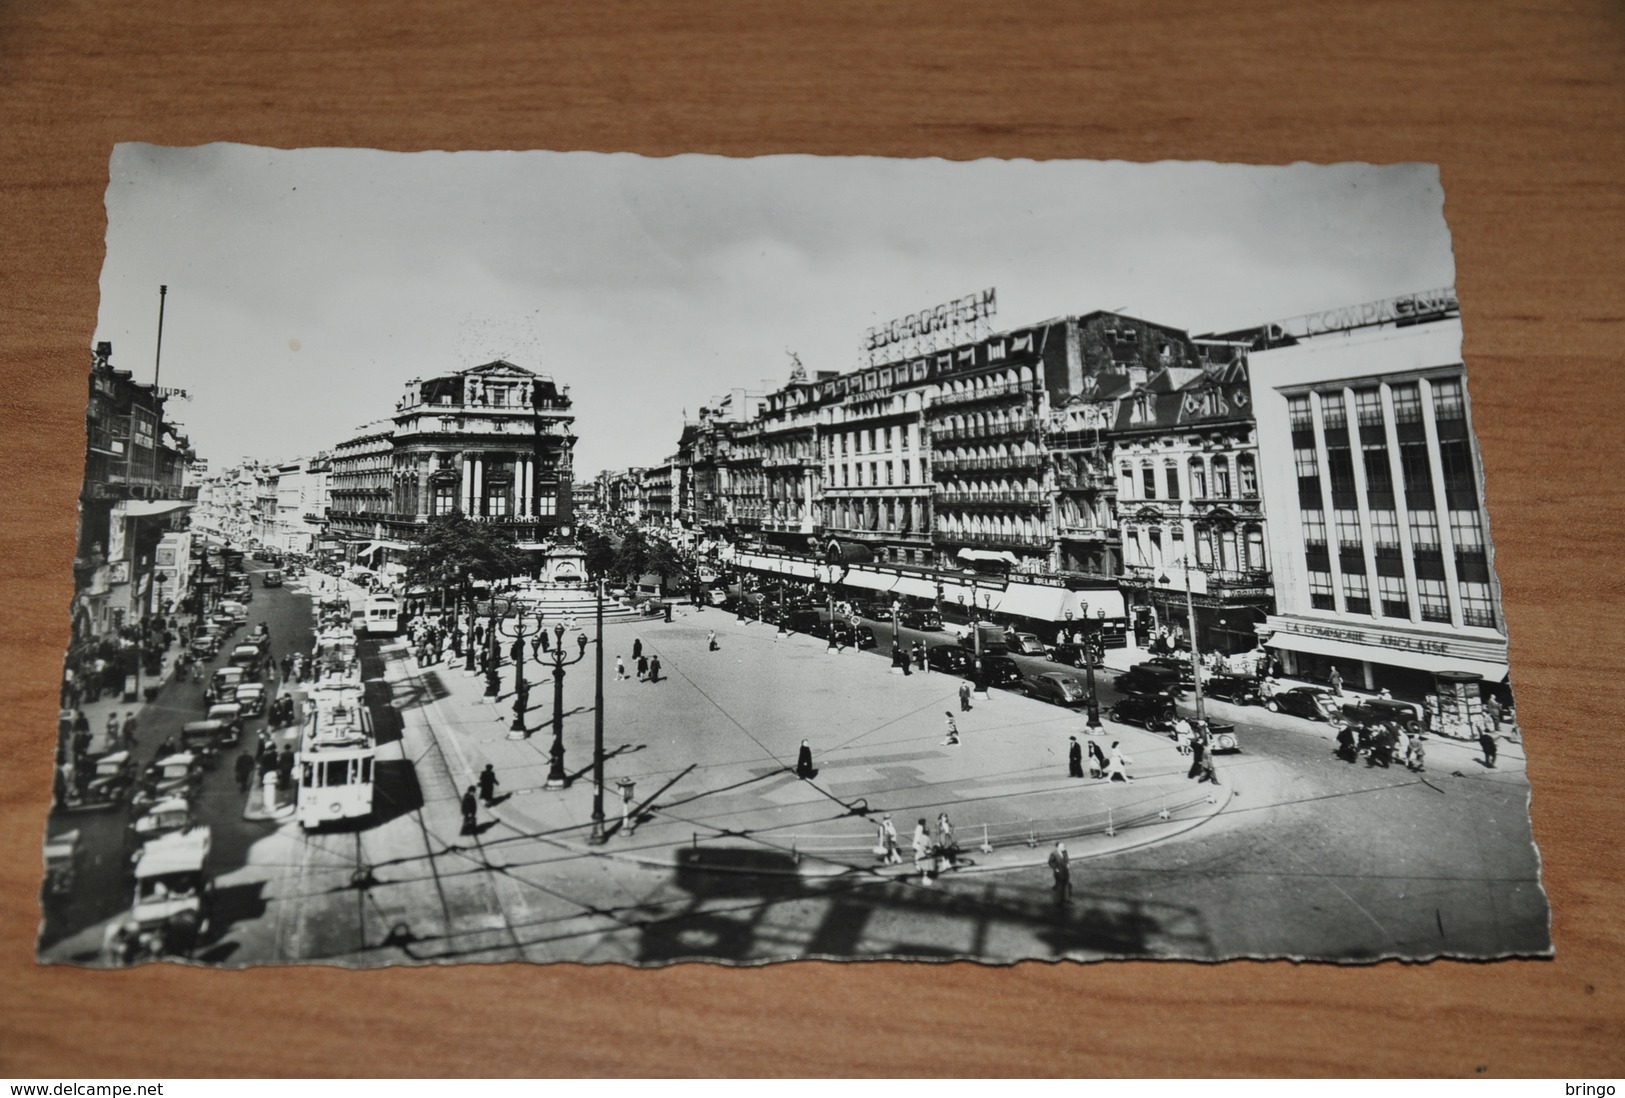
column 455, row 551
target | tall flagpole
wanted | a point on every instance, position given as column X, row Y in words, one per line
column 158, row 358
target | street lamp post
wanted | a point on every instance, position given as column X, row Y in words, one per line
column 493, row 654
column 468, row 630
column 556, row 778
column 896, row 609
column 598, row 835
column 1196, row 659
column 831, row 601
column 1093, row 702
column 521, row 689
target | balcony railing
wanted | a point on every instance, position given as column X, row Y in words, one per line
column 518, row 425
column 1025, row 541
column 948, row 463
column 1217, row 578
column 976, row 396
column 509, row 409
column 1023, row 425
column 1018, row 497
column 786, row 460
column 1082, row 531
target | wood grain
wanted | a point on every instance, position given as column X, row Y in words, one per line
column 1522, row 105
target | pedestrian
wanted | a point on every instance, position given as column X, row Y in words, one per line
column 284, row 767
column 1097, row 760
column 112, row 728
column 1074, row 758
column 919, row 654
column 1486, row 740
column 947, row 845
column 1346, row 748
column 1060, row 864
column 488, row 784
column 804, row 764
column 711, row 640
column 643, row 667
column 1117, row 765
column 287, row 667
column 902, row 656
column 964, row 697
column 267, row 761
column 888, row 841
column 922, row 849
column 1414, row 753
column 1336, row 680
column 470, row 813
column 637, row 648
column 654, row 668
column 245, row 771
column 620, row 668
column 1184, row 735
column 953, row 731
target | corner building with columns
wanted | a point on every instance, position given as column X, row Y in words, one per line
column 493, row 442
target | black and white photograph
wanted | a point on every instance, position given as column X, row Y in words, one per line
column 564, row 556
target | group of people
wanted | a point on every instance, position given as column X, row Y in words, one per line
column 648, row 666
column 911, row 658
column 932, row 852
column 1104, row 764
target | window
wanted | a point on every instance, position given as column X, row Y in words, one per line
column 1199, row 478
column 1424, row 530
column 1204, row 547
column 1320, row 591
column 1154, row 536
column 1407, row 403
column 890, row 472
column 1467, row 531
column 1368, row 408
column 1348, row 529
column 874, row 474
column 1340, row 469
column 1298, row 413
column 445, row 499
column 496, row 502
column 1477, row 607
column 1460, row 478
column 1356, row 596
column 1221, row 477
column 1127, row 491
column 846, row 476
column 1385, row 529
column 1447, row 400
column 1172, row 471
column 1430, row 594
column 1391, row 590
column 1314, row 527
column 1227, row 550
column 1247, row 476
column 1333, row 413
column 1255, row 549
column 1148, row 477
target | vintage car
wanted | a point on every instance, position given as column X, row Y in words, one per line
column 1180, row 665
column 203, row 739
column 223, row 684
column 177, row 775
column 1152, row 711
column 61, row 867
column 1073, row 655
column 1221, row 735
column 1240, row 689
column 919, row 618
column 251, row 698
column 170, row 912
column 230, row 716
column 1057, row 689
column 949, row 658
column 100, row 783
column 1314, row 702
column 166, row 817
column 206, row 645
column 1002, row 671
column 272, row 578
column 1147, row 678
column 847, row 634
column 225, row 621
column 250, row 658
column 1371, row 712
column 1025, row 644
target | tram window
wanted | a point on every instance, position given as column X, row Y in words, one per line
column 307, row 777
column 337, row 772
column 366, row 769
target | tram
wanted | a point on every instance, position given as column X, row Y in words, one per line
column 337, row 756
column 376, row 615
column 335, row 658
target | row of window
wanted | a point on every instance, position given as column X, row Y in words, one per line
column 1204, row 479
column 497, row 502
column 1223, row 547
column 1392, row 601
column 871, row 440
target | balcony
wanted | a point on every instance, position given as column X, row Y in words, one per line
column 863, row 533
column 949, row 463
column 1020, row 541
column 988, row 501
column 976, row 396
column 786, row 462
column 1085, row 531
column 1018, row 427
column 1219, row 580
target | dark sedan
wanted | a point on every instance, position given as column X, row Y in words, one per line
column 1153, row 712
column 1056, row 689
column 1314, row 702
column 1376, row 711
column 920, row 619
column 949, row 658
column 1241, row 689
column 1002, row 671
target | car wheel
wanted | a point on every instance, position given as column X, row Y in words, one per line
column 1273, row 706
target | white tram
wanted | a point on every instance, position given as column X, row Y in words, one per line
column 335, row 658
column 377, row 615
column 337, row 755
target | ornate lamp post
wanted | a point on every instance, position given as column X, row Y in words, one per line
column 556, row 778
column 1196, row 659
column 896, row 609
column 830, row 594
column 1093, row 702
column 521, row 688
column 468, row 629
column 493, row 654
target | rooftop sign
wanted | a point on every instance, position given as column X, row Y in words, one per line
column 957, row 321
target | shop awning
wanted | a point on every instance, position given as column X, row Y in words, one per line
column 1393, row 657
column 137, row 508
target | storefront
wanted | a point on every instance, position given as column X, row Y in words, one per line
column 1406, row 662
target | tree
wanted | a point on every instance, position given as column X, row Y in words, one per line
column 453, row 550
column 600, row 554
column 632, row 559
column 664, row 562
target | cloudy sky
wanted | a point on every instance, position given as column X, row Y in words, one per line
column 307, row 286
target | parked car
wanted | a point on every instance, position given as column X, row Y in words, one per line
column 919, row 618
column 272, row 578
column 1178, row 664
column 1240, row 689
column 167, row 817
column 205, row 645
column 1025, row 644
column 1222, row 736
column 1073, row 655
column 1370, row 712
column 203, row 739
column 170, row 911
column 1152, row 711
column 251, row 699
column 177, row 775
column 949, row 658
column 1314, row 702
column 249, row 658
column 230, row 715
column 1002, row 671
column 1146, row 678
column 222, row 686
column 1057, row 689
column 100, row 783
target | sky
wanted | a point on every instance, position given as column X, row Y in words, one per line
column 308, row 286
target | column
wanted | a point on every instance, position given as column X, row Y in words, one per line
column 468, row 484
column 479, row 485
column 528, row 465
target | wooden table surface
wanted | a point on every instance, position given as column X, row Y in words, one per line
column 1522, row 105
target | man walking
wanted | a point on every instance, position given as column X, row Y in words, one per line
column 643, row 666
column 953, row 731
column 1060, row 864
column 470, row 812
column 964, row 697
column 1074, row 758
column 1486, row 740
column 654, row 669
column 620, row 669
column 637, row 648
column 922, row 850
column 245, row 770
column 1336, row 680
column 804, row 763
column 488, row 784
column 888, row 841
